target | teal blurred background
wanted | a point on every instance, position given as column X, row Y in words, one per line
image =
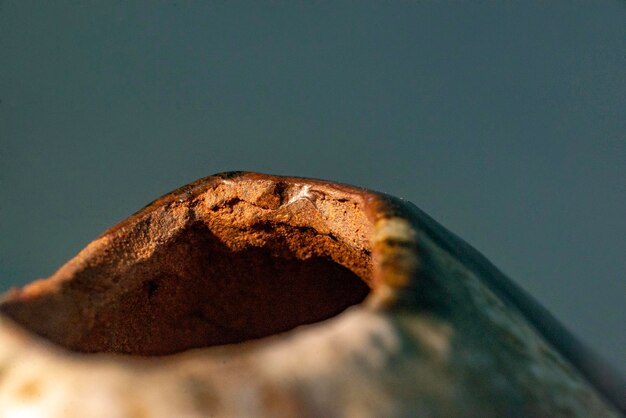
column 505, row 121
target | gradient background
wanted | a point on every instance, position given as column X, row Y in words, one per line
column 505, row 121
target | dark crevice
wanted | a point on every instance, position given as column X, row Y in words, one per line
column 151, row 287
column 280, row 191
column 263, row 227
column 229, row 203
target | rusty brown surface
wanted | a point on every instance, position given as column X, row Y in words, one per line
column 235, row 260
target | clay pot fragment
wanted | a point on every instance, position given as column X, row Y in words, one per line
column 260, row 296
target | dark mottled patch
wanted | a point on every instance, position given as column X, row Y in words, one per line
column 227, row 175
column 203, row 394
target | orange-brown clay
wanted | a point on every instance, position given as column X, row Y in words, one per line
column 232, row 263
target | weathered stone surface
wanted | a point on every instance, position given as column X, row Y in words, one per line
column 259, row 296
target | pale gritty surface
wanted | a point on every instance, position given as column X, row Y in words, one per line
column 431, row 340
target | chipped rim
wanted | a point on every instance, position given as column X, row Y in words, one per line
column 394, row 245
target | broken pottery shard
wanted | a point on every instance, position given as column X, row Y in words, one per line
column 252, row 295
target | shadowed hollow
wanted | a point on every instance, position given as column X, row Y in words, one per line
column 238, row 268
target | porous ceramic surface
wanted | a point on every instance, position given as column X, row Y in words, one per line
column 260, row 296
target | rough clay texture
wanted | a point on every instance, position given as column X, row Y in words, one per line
column 331, row 300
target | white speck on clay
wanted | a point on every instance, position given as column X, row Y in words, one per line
column 303, row 193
